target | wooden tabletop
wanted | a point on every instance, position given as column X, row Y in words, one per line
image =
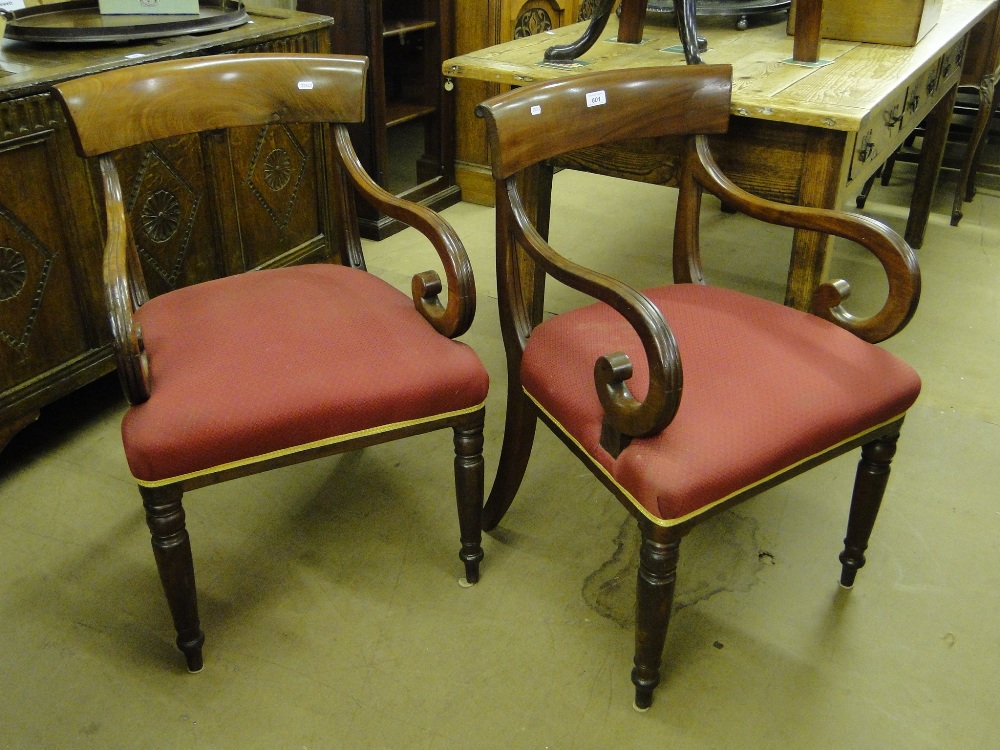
column 27, row 68
column 836, row 96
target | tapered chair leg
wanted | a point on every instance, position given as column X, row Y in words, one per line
column 469, row 490
column 653, row 602
column 869, row 487
column 518, row 436
column 172, row 552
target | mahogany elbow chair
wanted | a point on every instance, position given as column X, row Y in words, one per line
column 263, row 369
column 687, row 398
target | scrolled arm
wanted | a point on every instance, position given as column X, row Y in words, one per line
column 896, row 257
column 625, row 416
column 454, row 318
column 123, row 294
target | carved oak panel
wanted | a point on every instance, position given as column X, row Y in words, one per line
column 167, row 198
column 39, row 311
column 274, row 171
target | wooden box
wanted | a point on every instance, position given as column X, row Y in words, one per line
column 899, row 22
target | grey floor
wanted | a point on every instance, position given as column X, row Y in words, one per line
column 329, row 590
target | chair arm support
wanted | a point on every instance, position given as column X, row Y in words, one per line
column 625, row 416
column 896, row 257
column 453, row 319
column 123, row 295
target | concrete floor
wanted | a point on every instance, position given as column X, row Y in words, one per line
column 329, row 590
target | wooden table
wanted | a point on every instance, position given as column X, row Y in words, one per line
column 54, row 333
column 803, row 135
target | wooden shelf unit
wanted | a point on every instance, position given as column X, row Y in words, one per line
column 407, row 140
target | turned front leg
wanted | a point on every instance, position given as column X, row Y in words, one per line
column 869, row 487
column 654, row 601
column 469, row 488
column 172, row 552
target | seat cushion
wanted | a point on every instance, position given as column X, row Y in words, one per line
column 765, row 387
column 277, row 360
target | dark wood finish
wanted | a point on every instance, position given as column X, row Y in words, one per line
column 931, row 156
column 981, row 71
column 406, row 41
column 869, row 488
column 54, row 334
column 808, row 19
column 685, row 104
column 630, row 29
column 112, row 112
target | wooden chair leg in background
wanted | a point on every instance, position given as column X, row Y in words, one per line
column 518, row 437
column 966, row 188
column 869, row 487
column 172, row 551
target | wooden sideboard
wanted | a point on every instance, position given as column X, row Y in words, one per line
column 54, row 334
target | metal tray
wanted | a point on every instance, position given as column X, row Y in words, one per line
column 81, row 22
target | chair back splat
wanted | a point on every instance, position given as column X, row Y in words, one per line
column 231, row 373
column 683, row 399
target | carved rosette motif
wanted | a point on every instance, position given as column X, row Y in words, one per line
column 277, row 169
column 276, row 172
column 165, row 205
column 13, row 273
column 161, row 216
column 25, row 268
column 532, row 21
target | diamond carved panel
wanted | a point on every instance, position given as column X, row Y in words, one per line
column 25, row 264
column 162, row 206
column 276, row 172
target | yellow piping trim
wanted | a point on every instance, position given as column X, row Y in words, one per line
column 307, row 446
column 668, row 522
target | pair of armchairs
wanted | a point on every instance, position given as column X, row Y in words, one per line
column 268, row 368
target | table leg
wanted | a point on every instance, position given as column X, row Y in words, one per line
column 632, row 22
column 966, row 187
column 931, row 156
column 823, row 167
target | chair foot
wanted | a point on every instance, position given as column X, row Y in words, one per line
column 847, row 575
column 471, row 555
column 643, row 693
column 956, row 216
column 191, row 648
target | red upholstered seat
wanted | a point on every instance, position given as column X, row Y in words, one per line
column 765, row 387
column 252, row 365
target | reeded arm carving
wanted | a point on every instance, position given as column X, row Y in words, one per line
column 625, row 416
column 897, row 258
column 124, row 290
column 451, row 319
